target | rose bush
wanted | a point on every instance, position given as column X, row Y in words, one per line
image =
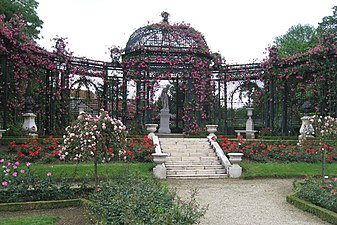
column 94, row 138
column 32, row 149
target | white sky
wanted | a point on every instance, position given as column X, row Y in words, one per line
column 239, row 30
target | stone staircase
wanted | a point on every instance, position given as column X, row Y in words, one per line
column 190, row 158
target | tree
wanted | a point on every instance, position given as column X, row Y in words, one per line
column 26, row 9
column 298, row 39
column 329, row 23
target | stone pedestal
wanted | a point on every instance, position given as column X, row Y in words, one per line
column 235, row 170
column 165, row 121
column 29, row 122
column 159, row 170
column 250, row 132
column 249, row 123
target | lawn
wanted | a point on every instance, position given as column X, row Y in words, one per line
column 34, row 220
column 86, row 170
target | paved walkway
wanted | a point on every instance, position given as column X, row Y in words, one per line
column 246, row 202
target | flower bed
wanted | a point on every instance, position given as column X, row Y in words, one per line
column 278, row 151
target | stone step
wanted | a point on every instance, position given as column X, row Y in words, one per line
column 191, row 158
column 184, row 139
column 173, row 136
column 208, row 150
column 193, row 167
column 192, row 154
column 185, row 147
column 198, row 176
column 208, row 162
column 195, row 172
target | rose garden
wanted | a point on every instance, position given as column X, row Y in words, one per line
column 107, row 137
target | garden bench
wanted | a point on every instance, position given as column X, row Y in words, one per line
column 250, row 134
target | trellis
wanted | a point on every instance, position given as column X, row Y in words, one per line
column 162, row 51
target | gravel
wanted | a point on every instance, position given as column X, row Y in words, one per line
column 241, row 202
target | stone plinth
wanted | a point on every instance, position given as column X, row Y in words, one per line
column 29, row 122
column 235, row 170
column 165, row 121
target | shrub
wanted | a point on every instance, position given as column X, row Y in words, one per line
column 319, row 192
column 140, row 149
column 134, row 200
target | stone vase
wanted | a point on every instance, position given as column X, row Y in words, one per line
column 211, row 129
column 151, row 128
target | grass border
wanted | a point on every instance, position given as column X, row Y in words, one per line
column 318, row 211
column 54, row 204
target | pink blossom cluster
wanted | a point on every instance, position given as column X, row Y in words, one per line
column 100, row 137
column 10, row 171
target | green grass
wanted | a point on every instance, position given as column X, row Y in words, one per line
column 253, row 170
column 86, row 170
column 34, row 220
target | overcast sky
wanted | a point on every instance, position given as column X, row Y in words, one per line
column 239, row 30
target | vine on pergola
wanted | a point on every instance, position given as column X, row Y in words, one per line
column 310, row 76
column 177, row 53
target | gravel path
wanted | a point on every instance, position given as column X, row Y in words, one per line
column 245, row 202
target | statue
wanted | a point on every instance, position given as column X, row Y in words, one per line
column 164, row 98
column 165, row 112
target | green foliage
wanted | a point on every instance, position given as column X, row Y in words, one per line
column 329, row 23
column 320, row 192
column 134, row 200
column 298, row 39
column 36, row 220
column 26, row 9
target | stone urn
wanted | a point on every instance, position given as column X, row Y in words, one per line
column 159, row 158
column 211, row 129
column 151, row 128
column 235, row 158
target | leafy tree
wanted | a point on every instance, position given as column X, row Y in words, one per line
column 26, row 9
column 298, row 39
column 329, row 23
